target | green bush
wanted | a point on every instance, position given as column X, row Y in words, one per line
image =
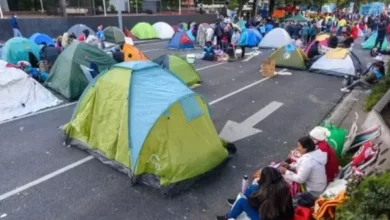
column 368, row 199
column 378, row 91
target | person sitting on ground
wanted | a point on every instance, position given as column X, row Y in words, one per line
column 309, row 168
column 314, row 51
column 348, row 40
column 118, row 55
column 333, row 40
column 319, row 135
column 267, row 199
column 375, row 74
column 209, row 53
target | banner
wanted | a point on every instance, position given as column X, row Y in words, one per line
column 374, row 8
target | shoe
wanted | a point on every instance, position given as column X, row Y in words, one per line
column 345, row 90
column 224, row 217
column 231, row 202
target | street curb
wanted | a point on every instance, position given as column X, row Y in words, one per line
column 148, row 41
column 341, row 111
column 374, row 117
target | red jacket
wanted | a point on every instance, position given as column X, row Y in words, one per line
column 332, row 166
column 355, row 32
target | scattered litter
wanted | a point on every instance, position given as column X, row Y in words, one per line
column 64, row 143
column 3, row 215
column 285, row 142
column 203, row 210
column 253, row 101
column 68, row 146
column 234, row 167
column 233, row 79
column 21, row 128
column 47, row 152
column 276, row 82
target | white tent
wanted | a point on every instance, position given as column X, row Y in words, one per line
column 276, row 38
column 20, row 94
column 164, row 30
column 338, row 67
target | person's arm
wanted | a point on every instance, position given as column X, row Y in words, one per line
column 302, row 174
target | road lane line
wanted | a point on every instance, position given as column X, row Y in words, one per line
column 75, row 102
column 88, row 158
column 44, row 178
column 150, row 50
column 237, row 91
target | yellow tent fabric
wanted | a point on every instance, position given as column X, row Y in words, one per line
column 322, row 36
column 337, row 53
column 131, row 53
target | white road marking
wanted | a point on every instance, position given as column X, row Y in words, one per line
column 75, row 102
column 86, row 159
column 44, row 178
column 150, row 50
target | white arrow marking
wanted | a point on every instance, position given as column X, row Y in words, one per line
column 234, row 131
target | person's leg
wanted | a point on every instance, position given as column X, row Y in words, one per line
column 19, row 34
column 376, row 42
column 380, row 44
column 15, row 32
column 356, row 83
column 242, row 52
column 241, row 206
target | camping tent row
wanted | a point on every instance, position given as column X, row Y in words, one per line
column 156, row 130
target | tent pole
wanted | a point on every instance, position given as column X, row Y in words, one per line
column 104, row 8
column 1, row 12
column 41, row 7
column 136, row 6
column 179, row 7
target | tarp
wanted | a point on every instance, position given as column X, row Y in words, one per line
column 21, row 94
column 298, row 18
column 144, row 31
column 156, row 130
column 369, row 43
column 289, row 57
column 276, row 38
column 177, row 65
column 181, row 41
column 251, row 37
column 114, row 35
column 164, row 30
column 131, row 53
column 66, row 76
column 16, row 49
column 201, row 36
column 39, row 38
column 78, row 29
column 350, row 65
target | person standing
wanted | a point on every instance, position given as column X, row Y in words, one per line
column 100, row 36
column 15, row 26
column 381, row 36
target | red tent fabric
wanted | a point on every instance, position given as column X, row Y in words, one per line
column 129, row 34
column 322, row 43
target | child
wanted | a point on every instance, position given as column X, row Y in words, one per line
column 225, row 39
column 209, row 54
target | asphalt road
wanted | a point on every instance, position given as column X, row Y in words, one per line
column 32, row 147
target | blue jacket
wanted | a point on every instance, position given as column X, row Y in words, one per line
column 14, row 22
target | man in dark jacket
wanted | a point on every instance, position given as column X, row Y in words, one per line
column 381, row 36
column 15, row 26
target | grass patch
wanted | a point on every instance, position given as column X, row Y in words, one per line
column 378, row 91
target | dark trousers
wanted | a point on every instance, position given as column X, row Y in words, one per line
column 380, row 41
column 242, row 52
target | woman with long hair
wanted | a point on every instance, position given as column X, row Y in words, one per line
column 270, row 201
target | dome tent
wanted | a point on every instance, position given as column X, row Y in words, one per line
column 18, row 48
column 177, row 65
column 182, row 26
column 22, row 93
column 369, row 43
column 114, row 35
column 39, row 38
column 164, row 30
column 276, row 38
column 78, row 29
column 66, row 76
column 144, row 31
column 156, row 130
column 323, row 39
column 181, row 41
column 131, row 53
column 289, row 57
column 337, row 62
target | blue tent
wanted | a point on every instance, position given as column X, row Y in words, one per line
column 181, row 41
column 190, row 35
column 250, row 38
column 17, row 49
column 39, row 38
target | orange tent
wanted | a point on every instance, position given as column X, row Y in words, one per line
column 278, row 13
column 131, row 53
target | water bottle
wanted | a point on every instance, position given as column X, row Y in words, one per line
column 244, row 185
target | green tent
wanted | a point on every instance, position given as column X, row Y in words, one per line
column 142, row 120
column 66, row 76
column 369, row 43
column 298, row 18
column 291, row 59
column 177, row 65
column 114, row 35
column 144, row 31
